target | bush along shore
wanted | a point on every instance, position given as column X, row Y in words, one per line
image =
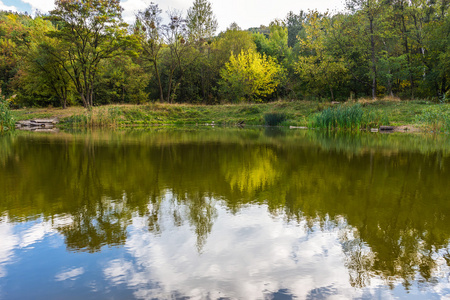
column 363, row 114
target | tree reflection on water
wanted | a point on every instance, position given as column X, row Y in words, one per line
column 385, row 196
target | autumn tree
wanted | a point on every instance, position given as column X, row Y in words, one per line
column 14, row 40
column 250, row 76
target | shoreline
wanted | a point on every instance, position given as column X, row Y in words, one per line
column 401, row 115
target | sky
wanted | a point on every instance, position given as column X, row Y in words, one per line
column 246, row 13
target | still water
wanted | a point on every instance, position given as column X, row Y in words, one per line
column 224, row 214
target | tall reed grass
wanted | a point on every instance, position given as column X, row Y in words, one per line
column 348, row 117
column 7, row 121
column 97, row 117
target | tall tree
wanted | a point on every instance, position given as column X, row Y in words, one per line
column 148, row 27
column 201, row 22
column 14, row 40
column 175, row 34
column 319, row 68
column 294, row 26
column 90, row 31
column 369, row 10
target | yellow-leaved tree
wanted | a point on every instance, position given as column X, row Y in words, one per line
column 250, row 76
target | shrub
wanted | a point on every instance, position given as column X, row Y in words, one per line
column 274, row 119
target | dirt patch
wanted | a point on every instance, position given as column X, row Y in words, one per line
column 406, row 128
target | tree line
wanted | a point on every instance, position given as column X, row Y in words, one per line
column 82, row 52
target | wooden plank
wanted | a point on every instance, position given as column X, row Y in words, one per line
column 47, row 121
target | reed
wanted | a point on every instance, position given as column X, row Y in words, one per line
column 7, row 121
column 348, row 117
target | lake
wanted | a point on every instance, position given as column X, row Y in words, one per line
column 224, row 213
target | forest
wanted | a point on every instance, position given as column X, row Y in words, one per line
column 83, row 53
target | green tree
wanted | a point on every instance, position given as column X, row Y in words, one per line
column 14, row 40
column 199, row 72
column 149, row 30
column 437, row 55
column 276, row 45
column 370, row 10
column 176, row 53
column 319, row 68
column 201, row 22
column 90, row 31
column 294, row 25
column 122, row 80
column 41, row 77
column 233, row 40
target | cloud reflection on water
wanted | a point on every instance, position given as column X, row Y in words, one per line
column 247, row 255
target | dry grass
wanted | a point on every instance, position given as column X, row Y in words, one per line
column 386, row 99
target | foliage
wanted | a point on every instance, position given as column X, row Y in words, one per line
column 319, row 69
column 201, row 22
column 250, row 76
column 149, row 32
column 274, row 119
column 14, row 39
column 42, row 79
column 436, row 117
column 90, row 31
column 7, row 121
column 84, row 53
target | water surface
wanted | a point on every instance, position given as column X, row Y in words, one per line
column 224, row 213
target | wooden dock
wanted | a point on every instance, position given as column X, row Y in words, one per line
column 36, row 124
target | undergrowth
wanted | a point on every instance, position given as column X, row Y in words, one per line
column 348, row 116
column 436, row 117
column 7, row 121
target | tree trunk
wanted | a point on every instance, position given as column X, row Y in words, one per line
column 161, row 93
column 374, row 67
column 405, row 41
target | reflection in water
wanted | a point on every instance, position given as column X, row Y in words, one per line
column 234, row 213
column 247, row 255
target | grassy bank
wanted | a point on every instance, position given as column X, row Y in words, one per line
column 419, row 114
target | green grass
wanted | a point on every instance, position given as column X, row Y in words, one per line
column 6, row 118
column 437, row 118
column 365, row 113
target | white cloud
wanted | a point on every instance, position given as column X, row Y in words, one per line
column 41, row 5
column 253, row 13
column 9, row 242
column 7, row 8
column 71, row 274
column 40, row 230
column 249, row 13
column 246, row 256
